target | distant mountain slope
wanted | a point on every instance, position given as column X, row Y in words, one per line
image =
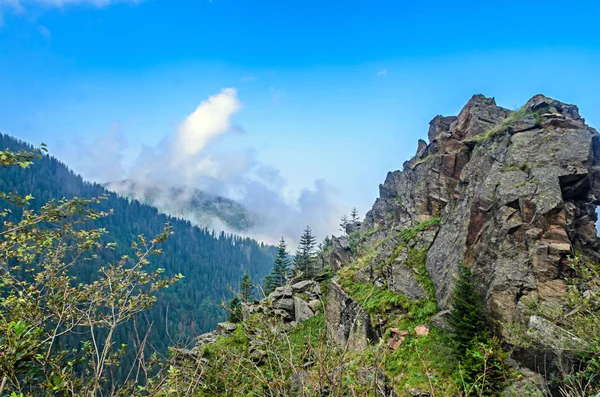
column 201, row 208
column 210, row 262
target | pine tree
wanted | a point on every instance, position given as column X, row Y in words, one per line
column 466, row 318
column 477, row 352
column 343, row 223
column 305, row 253
column 268, row 284
column 246, row 288
column 354, row 215
column 235, row 310
column 281, row 265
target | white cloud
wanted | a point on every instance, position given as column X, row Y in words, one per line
column 187, row 159
column 382, row 72
column 210, row 120
column 100, row 160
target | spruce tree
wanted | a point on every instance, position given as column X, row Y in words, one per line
column 475, row 349
column 246, row 288
column 268, row 284
column 281, row 265
column 343, row 223
column 305, row 253
column 354, row 215
column 466, row 318
column 235, row 310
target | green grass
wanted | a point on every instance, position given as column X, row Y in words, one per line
column 509, row 168
column 425, row 159
column 417, row 261
column 418, row 356
column 374, row 299
column 371, row 232
column 236, row 342
column 505, row 125
column 410, row 233
column 307, row 332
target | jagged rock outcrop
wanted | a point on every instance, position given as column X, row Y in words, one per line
column 347, row 323
column 515, row 193
column 526, row 200
column 336, row 256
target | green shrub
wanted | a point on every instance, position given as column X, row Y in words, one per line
column 481, row 360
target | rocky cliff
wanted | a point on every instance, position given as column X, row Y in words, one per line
column 509, row 195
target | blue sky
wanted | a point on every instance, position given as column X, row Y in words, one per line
column 333, row 90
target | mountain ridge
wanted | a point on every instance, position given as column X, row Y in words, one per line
column 201, row 208
column 211, row 262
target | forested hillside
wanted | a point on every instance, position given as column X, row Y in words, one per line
column 209, row 262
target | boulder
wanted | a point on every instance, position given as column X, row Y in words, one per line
column 303, row 286
column 352, row 227
column 416, row 392
column 284, row 315
column 298, row 382
column 347, row 323
column 286, row 304
column 339, row 255
column 526, row 383
column 302, row 310
column 422, row 330
column 280, row 293
column 225, row 328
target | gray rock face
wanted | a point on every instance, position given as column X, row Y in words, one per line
column 347, row 323
column 516, row 192
column 524, row 201
column 480, row 114
column 317, row 290
column 302, row 310
column 400, row 279
column 439, row 125
column 340, row 254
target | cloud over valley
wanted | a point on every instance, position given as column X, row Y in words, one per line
column 188, row 174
